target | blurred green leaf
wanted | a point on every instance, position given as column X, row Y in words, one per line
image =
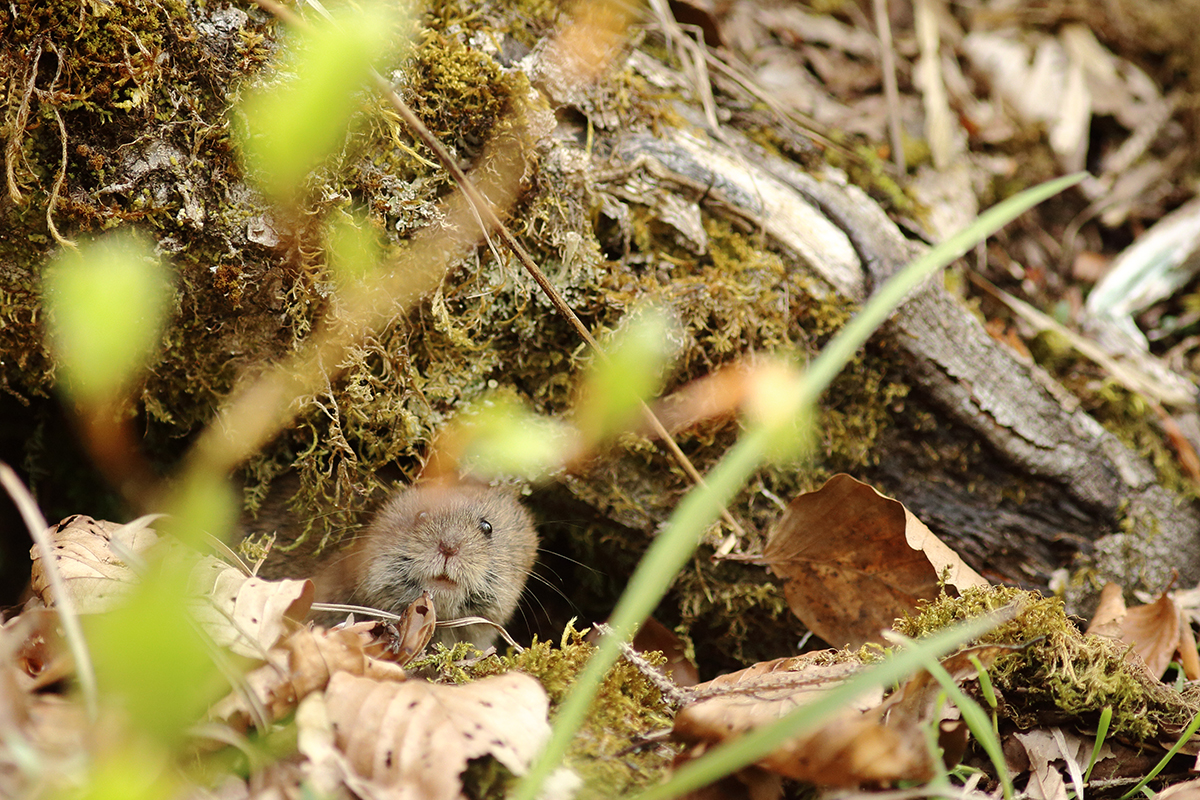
column 132, row 769
column 502, row 437
column 639, row 352
column 108, row 300
column 204, row 503
column 291, row 128
column 150, row 657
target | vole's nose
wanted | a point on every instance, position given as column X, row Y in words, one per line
column 448, row 549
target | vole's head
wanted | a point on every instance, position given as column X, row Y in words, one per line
column 471, row 547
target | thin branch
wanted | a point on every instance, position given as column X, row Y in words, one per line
column 890, row 89
column 600, row 42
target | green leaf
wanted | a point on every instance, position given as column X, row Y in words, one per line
column 502, row 437
column 202, row 504
column 291, row 129
column 108, row 300
column 151, row 658
column 638, row 355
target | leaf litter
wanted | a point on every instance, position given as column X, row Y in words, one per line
column 34, row 638
column 366, row 723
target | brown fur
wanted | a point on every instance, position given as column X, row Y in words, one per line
column 432, row 537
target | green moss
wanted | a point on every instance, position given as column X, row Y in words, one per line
column 1056, row 672
column 241, row 304
column 870, row 169
column 459, row 93
column 1131, row 418
column 627, row 708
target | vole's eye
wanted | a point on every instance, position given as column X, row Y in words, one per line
column 422, row 516
column 486, row 527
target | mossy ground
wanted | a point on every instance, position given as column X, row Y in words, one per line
column 1056, row 673
column 148, row 144
column 611, row 753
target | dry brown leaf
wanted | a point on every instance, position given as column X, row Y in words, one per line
column 409, row 637
column 413, row 739
column 810, row 671
column 1043, row 750
column 1189, row 658
column 872, row 741
column 39, row 656
column 301, row 665
column 1188, row 790
column 918, row 697
column 325, row 768
column 1153, row 631
column 95, row 575
column 853, row 561
column 654, row 636
column 247, row 615
column 1110, row 612
column 851, row 749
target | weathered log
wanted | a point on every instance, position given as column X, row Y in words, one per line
column 980, row 386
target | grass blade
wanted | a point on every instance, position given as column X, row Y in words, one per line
column 700, row 507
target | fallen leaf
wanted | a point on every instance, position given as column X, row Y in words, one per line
column 414, row 739
column 412, row 634
column 1044, row 749
column 302, row 664
column 1189, row 658
column 1045, row 782
column 919, row 697
column 40, row 657
column 247, row 615
column 1109, row 613
column 96, row 560
column 1153, row 630
column 852, row 748
column 853, row 561
column 1188, row 790
column 654, row 636
column 94, row 572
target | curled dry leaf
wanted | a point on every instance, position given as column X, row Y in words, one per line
column 414, row 739
column 39, row 655
column 94, row 571
column 248, row 615
column 853, row 748
column 1155, row 632
column 654, row 636
column 853, row 561
column 414, row 631
column 302, row 664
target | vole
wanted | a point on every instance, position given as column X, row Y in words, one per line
column 471, row 546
